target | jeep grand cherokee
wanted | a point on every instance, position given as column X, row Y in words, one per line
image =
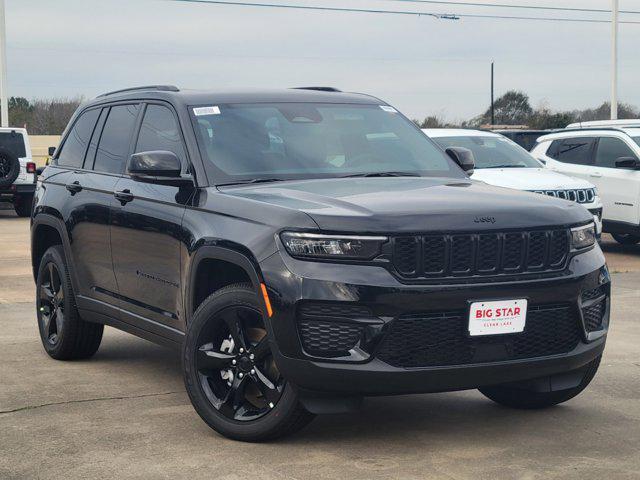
column 306, row 248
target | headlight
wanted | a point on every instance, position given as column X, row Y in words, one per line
column 331, row 246
column 583, row 237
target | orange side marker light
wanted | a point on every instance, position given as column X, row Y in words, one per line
column 265, row 295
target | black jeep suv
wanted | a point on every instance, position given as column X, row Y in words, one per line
column 306, row 248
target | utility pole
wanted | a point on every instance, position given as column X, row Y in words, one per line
column 493, row 117
column 4, row 107
column 614, row 59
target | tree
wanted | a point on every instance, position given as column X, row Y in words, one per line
column 431, row 121
column 512, row 108
column 20, row 111
column 543, row 118
column 50, row 117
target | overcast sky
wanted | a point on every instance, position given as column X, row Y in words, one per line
column 421, row 65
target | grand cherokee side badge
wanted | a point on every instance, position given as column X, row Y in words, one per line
column 485, row 220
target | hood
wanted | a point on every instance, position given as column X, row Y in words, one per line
column 529, row 179
column 410, row 204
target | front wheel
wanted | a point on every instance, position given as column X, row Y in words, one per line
column 626, row 238
column 526, row 399
column 230, row 374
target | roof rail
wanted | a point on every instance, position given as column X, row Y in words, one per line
column 319, row 89
column 589, row 129
column 606, row 123
column 161, row 88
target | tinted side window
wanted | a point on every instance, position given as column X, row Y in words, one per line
column 575, row 150
column 552, row 151
column 113, row 147
column 93, row 144
column 160, row 131
column 75, row 145
column 609, row 150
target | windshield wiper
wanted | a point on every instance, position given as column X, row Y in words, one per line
column 506, row 166
column 248, row 181
column 382, row 174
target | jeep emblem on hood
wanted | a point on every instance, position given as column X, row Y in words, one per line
column 485, row 220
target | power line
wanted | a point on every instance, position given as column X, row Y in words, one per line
column 445, row 16
column 506, row 5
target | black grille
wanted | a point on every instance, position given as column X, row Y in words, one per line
column 324, row 331
column 441, row 338
column 436, row 256
column 593, row 294
column 318, row 309
column 587, row 195
column 328, row 339
column 593, row 316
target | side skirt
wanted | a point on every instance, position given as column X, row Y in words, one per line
column 96, row 311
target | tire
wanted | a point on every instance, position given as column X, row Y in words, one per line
column 23, row 205
column 64, row 335
column 625, row 238
column 525, row 399
column 220, row 392
column 9, row 167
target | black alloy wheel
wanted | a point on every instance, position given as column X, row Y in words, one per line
column 230, row 371
column 235, row 366
column 64, row 335
column 51, row 304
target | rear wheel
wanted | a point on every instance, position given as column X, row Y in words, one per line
column 23, row 205
column 64, row 335
column 626, row 238
column 526, row 399
column 230, row 373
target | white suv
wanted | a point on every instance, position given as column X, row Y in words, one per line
column 607, row 154
column 502, row 162
column 17, row 170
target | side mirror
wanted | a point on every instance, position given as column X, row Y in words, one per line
column 51, row 151
column 463, row 157
column 630, row 163
column 157, row 167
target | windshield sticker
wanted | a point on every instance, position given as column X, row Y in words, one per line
column 389, row 109
column 199, row 111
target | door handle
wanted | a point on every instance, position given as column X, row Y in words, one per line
column 124, row 196
column 74, row 187
column 595, row 174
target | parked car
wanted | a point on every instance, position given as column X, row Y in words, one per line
column 306, row 248
column 525, row 138
column 501, row 162
column 17, row 170
column 608, row 156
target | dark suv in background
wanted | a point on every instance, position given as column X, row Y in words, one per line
column 306, row 248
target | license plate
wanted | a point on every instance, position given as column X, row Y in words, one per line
column 495, row 318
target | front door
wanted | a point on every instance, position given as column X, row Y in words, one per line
column 619, row 188
column 146, row 231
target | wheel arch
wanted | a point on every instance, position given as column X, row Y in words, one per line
column 242, row 267
column 46, row 231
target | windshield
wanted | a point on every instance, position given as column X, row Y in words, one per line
column 492, row 152
column 269, row 142
column 13, row 142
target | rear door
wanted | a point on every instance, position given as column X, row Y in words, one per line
column 85, row 202
column 572, row 156
column 619, row 188
column 146, row 231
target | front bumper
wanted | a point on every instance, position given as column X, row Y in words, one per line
column 291, row 283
